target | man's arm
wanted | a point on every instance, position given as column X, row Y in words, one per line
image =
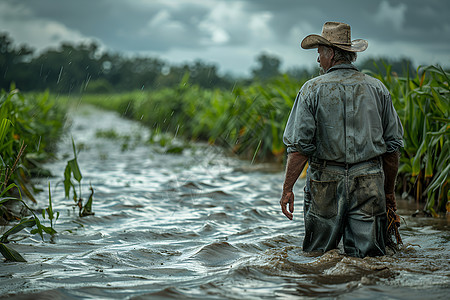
column 390, row 168
column 295, row 164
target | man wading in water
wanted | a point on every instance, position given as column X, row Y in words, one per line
column 344, row 124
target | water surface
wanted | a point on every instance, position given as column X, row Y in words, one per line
column 199, row 225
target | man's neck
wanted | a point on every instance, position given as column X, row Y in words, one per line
column 340, row 62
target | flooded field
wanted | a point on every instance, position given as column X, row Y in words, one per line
column 199, row 225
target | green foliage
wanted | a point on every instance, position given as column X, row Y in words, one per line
column 72, row 170
column 27, row 222
column 82, row 68
column 99, row 86
column 400, row 67
column 423, row 104
column 247, row 120
column 30, row 125
column 87, row 208
column 9, row 253
column 268, row 67
column 36, row 121
column 127, row 141
column 51, row 215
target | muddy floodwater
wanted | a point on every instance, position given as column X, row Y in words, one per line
column 198, row 225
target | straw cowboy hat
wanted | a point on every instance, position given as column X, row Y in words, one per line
column 335, row 34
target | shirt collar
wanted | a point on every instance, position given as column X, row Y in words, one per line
column 342, row 66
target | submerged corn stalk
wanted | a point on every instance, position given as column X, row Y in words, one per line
column 73, row 170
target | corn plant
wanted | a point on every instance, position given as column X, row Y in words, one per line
column 24, row 121
column 72, row 170
column 9, row 253
column 258, row 116
column 431, row 162
column 35, row 121
column 50, row 213
column 423, row 106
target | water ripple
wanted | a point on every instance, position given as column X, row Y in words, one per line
column 199, row 225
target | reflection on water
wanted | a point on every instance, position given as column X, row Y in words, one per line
column 200, row 225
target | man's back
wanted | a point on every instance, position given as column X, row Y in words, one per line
column 346, row 116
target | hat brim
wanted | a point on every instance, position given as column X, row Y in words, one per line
column 313, row 41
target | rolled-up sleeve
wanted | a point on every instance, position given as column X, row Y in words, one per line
column 392, row 127
column 300, row 128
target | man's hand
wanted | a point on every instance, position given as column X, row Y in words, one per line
column 287, row 198
column 295, row 164
column 391, row 208
column 390, row 202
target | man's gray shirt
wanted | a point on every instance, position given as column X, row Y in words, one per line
column 344, row 116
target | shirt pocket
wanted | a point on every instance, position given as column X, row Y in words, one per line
column 323, row 198
column 370, row 194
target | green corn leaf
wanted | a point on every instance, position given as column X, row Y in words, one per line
column 11, row 254
column 441, row 119
column 6, row 199
column 4, row 126
column 411, row 85
column 39, row 229
column 440, row 180
column 430, row 202
column 50, row 208
column 25, row 189
column 429, row 165
column 404, row 168
column 67, row 182
column 87, row 209
column 74, row 149
column 12, row 185
column 49, row 230
column 6, row 145
column 437, row 100
column 417, row 159
column 437, row 70
column 75, row 169
column 29, row 222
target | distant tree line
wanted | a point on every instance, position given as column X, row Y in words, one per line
column 84, row 68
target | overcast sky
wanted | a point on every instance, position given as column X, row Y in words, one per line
column 231, row 33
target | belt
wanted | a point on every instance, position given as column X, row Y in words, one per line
column 325, row 163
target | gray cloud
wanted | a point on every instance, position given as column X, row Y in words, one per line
column 231, row 31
